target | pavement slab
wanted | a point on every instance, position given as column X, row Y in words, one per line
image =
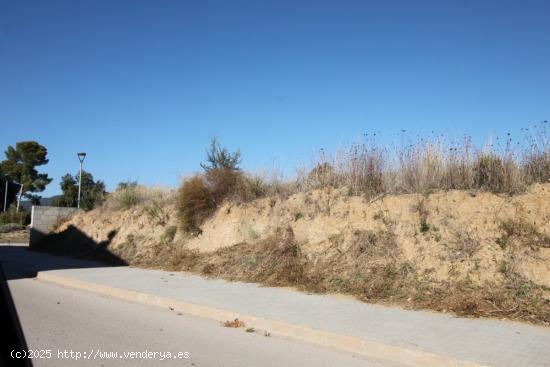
column 462, row 341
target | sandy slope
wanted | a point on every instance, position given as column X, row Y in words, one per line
column 461, row 241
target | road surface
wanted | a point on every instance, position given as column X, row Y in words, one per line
column 103, row 331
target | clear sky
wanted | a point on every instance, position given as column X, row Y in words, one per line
column 142, row 85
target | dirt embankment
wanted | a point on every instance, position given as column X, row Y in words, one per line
column 471, row 253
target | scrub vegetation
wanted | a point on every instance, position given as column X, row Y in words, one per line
column 431, row 225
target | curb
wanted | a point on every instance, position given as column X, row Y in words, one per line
column 346, row 343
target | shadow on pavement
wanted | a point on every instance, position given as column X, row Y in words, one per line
column 72, row 249
column 14, row 338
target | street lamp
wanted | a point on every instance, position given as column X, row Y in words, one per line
column 19, row 196
column 81, row 157
column 6, row 193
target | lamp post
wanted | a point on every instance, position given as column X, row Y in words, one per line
column 81, row 157
column 19, row 196
column 6, row 194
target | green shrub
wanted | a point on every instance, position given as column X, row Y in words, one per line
column 219, row 158
column 424, row 226
column 92, row 195
column 168, row 235
column 10, row 227
column 22, row 217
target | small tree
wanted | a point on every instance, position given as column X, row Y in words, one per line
column 92, row 194
column 199, row 196
column 20, row 166
column 218, row 157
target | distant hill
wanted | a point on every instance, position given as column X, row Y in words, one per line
column 44, row 201
column 49, row 201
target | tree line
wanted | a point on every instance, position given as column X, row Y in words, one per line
column 19, row 174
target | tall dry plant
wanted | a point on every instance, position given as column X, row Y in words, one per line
column 536, row 163
column 432, row 164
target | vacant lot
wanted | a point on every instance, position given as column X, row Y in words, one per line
column 471, row 253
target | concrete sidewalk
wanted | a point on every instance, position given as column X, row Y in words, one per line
column 410, row 337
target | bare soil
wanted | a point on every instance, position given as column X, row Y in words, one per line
column 471, row 253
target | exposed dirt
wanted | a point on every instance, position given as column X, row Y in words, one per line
column 476, row 254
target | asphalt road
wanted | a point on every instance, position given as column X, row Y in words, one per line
column 94, row 328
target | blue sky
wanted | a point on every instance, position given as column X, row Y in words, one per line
column 142, row 85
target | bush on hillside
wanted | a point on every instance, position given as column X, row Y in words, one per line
column 200, row 195
column 537, row 167
column 194, row 203
column 249, row 188
column 496, row 174
column 222, row 183
column 126, row 195
column 10, row 227
column 152, row 200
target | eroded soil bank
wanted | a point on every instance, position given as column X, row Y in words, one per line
column 478, row 254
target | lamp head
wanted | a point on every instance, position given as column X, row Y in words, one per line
column 81, row 156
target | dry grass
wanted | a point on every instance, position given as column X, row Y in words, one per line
column 536, row 163
column 537, row 166
column 12, row 226
column 276, row 261
column 526, row 234
column 372, row 171
column 253, row 186
column 360, row 169
column 371, row 271
column 422, row 210
column 168, row 234
column 234, row 324
column 127, row 196
column 62, row 219
column 465, row 245
column 369, row 265
column 14, row 236
column 195, row 203
column 432, row 164
column 156, row 211
column 515, row 299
